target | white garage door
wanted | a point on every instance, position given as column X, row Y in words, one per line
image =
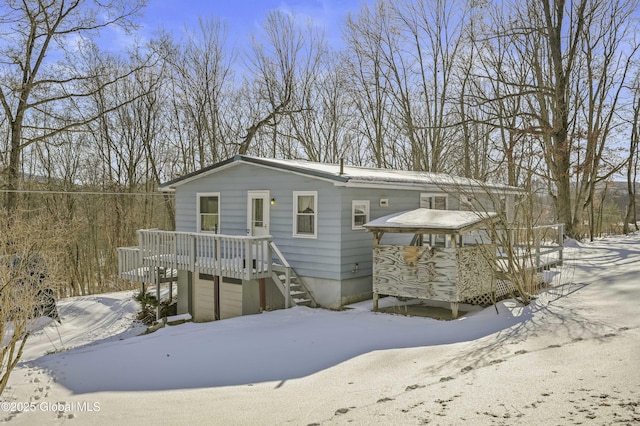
column 230, row 300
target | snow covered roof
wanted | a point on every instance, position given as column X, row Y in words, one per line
column 430, row 221
column 347, row 175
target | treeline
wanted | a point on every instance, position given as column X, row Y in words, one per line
column 539, row 94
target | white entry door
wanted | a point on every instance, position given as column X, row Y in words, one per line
column 258, row 213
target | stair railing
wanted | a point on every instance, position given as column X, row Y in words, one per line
column 287, row 273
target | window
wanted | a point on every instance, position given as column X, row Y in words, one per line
column 359, row 214
column 433, row 201
column 209, row 212
column 257, row 212
column 436, row 202
column 305, row 208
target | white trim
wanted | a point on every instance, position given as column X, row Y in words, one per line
column 198, row 217
column 266, row 197
column 172, row 188
column 367, row 211
column 297, row 194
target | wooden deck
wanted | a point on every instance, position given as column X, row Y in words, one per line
column 540, row 248
column 160, row 254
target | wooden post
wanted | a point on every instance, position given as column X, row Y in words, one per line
column 263, row 294
column 216, row 297
column 218, row 256
column 248, row 262
column 190, row 278
column 192, row 254
column 454, row 310
column 375, row 300
column 158, row 293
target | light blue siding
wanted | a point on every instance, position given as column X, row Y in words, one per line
column 337, row 248
column 318, row 257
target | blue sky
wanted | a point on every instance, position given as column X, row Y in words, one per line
column 244, row 16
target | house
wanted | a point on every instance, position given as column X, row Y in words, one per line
column 257, row 233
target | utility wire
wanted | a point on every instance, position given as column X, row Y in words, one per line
column 36, row 191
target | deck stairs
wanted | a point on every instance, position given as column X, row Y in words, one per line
column 290, row 284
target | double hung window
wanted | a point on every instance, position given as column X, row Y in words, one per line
column 305, row 212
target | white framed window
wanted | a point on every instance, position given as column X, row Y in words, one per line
column 359, row 213
column 433, row 201
column 208, row 206
column 305, row 214
column 437, row 202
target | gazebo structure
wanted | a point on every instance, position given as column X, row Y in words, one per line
column 449, row 258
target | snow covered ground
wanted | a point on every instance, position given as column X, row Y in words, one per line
column 571, row 357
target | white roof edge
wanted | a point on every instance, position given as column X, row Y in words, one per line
column 172, row 188
column 428, row 186
column 294, row 172
column 274, row 166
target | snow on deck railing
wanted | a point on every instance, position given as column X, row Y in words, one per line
column 231, row 256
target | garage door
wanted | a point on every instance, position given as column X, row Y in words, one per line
column 203, row 300
column 230, row 300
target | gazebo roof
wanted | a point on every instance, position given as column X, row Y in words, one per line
column 430, row 221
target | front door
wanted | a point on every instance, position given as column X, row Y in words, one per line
column 258, row 213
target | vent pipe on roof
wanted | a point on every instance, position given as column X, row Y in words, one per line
column 341, row 166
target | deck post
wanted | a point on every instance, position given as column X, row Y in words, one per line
column 375, row 300
column 218, row 256
column 216, row 297
column 248, row 261
column 158, row 294
column 454, row 310
column 263, row 294
column 192, row 254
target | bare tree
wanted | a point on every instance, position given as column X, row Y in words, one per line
column 435, row 43
column 369, row 89
column 631, row 217
column 202, row 68
column 560, row 65
column 494, row 87
column 28, row 280
column 34, row 82
column 321, row 128
column 607, row 51
column 282, row 65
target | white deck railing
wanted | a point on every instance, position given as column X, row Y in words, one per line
column 544, row 245
column 160, row 254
